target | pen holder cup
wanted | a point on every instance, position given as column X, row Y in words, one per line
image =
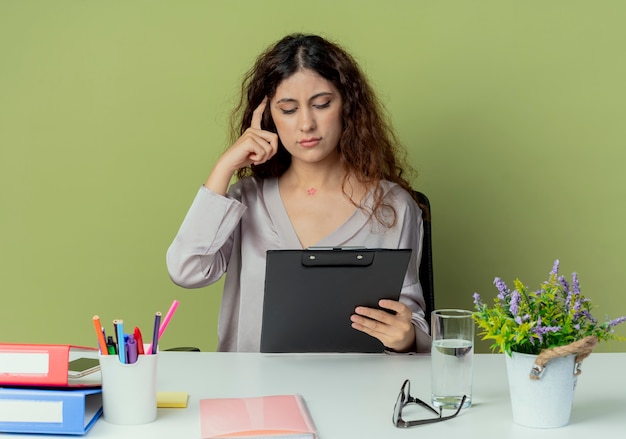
column 129, row 394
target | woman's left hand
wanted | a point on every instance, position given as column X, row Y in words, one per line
column 394, row 329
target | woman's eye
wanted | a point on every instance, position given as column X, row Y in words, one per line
column 324, row 105
column 288, row 110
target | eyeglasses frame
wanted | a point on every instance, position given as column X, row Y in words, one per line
column 405, row 399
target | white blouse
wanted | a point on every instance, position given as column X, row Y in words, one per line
column 232, row 234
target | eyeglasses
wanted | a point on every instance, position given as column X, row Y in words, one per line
column 405, row 398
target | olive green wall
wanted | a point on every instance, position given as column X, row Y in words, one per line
column 112, row 112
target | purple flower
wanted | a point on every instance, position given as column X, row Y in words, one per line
column 541, row 330
column 576, row 284
column 565, row 284
column 617, row 321
column 568, row 301
column 588, row 315
column 546, row 329
column 555, row 267
column 502, row 288
column 514, row 305
column 521, row 319
column 476, row 299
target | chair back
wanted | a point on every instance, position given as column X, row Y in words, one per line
column 426, row 264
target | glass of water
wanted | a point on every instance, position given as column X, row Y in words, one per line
column 452, row 354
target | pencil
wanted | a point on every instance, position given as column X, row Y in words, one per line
column 121, row 346
column 101, row 342
column 155, row 334
column 168, row 317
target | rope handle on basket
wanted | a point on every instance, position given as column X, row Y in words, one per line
column 582, row 348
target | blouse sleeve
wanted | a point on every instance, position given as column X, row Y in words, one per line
column 200, row 252
column 412, row 294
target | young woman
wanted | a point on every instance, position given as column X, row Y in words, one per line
column 317, row 165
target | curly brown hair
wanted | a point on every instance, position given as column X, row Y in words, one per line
column 368, row 145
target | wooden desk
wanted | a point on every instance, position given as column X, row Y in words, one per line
column 352, row 395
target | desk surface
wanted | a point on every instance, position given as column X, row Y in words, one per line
column 352, row 395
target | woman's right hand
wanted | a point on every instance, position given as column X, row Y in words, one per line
column 255, row 146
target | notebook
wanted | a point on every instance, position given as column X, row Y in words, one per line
column 280, row 416
column 311, row 294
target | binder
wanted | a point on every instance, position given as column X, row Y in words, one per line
column 44, row 365
column 52, row 411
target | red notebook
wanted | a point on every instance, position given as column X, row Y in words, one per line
column 284, row 416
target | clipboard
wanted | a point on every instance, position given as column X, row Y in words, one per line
column 310, row 295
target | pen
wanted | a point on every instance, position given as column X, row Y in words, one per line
column 121, row 351
column 168, row 317
column 132, row 349
column 139, row 340
column 155, row 333
column 101, row 343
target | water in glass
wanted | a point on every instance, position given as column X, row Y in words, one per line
column 452, row 372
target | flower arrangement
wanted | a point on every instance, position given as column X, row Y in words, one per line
column 528, row 322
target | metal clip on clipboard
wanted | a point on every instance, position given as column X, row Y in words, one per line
column 337, row 256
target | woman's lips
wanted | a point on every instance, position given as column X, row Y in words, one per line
column 309, row 143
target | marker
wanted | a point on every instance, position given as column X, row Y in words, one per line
column 139, row 340
column 101, row 343
column 155, row 333
column 121, row 351
column 111, row 346
column 132, row 349
column 126, row 347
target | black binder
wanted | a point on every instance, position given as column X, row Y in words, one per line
column 311, row 294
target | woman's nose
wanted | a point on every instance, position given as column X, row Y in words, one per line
column 307, row 120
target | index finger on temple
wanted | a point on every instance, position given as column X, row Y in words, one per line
column 257, row 114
